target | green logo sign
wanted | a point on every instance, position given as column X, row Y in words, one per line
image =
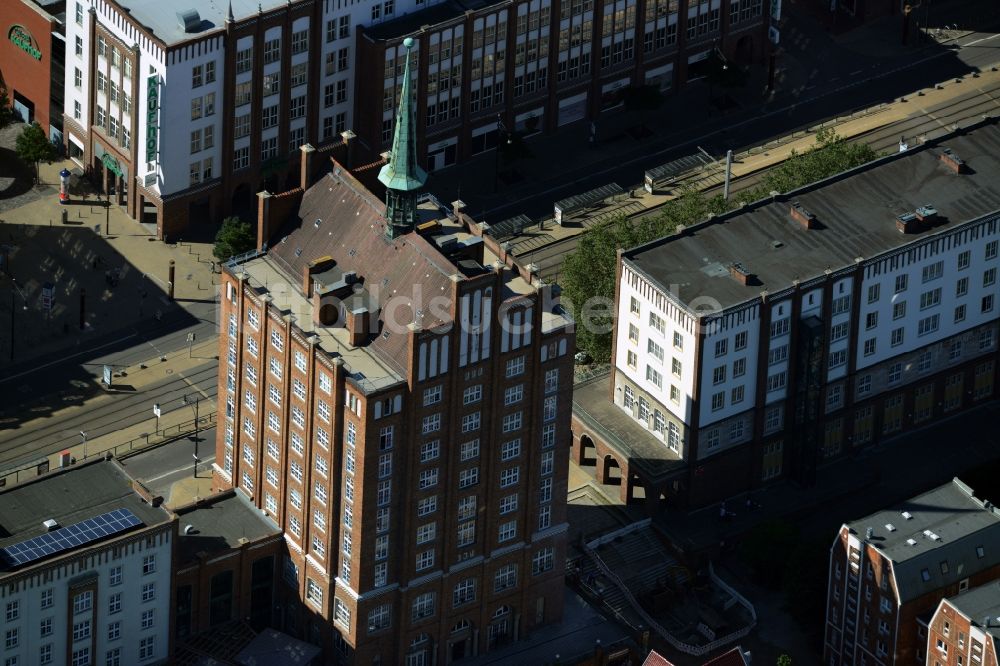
column 112, row 165
column 152, row 107
column 22, row 39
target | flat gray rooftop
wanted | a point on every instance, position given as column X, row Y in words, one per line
column 945, row 525
column 981, row 603
column 69, row 496
column 640, row 447
column 219, row 525
column 856, row 214
column 160, row 17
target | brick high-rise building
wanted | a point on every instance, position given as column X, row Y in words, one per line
column 888, row 571
column 397, row 399
column 965, row 629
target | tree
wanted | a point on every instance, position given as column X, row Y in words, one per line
column 589, row 272
column 6, row 114
column 784, row 660
column 234, row 237
column 33, row 146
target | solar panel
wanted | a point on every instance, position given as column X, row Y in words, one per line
column 570, row 205
column 509, row 227
column 65, row 538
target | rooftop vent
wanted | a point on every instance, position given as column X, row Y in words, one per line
column 907, row 515
column 907, row 223
column 927, row 214
column 805, row 219
column 298, row 252
column 50, row 524
column 188, row 529
column 890, row 527
column 953, row 161
column 911, row 542
column 739, row 272
column 189, row 20
column 777, row 244
column 317, row 223
column 870, row 532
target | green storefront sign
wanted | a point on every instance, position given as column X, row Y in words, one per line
column 22, row 39
column 152, row 108
column 112, row 165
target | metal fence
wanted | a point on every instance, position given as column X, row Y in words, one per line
column 135, row 445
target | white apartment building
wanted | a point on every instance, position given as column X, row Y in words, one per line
column 183, row 111
column 767, row 342
column 92, row 588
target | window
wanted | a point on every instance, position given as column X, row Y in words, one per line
column 959, row 314
column 83, row 602
column 721, row 347
column 901, row 281
column 932, row 272
column 718, row 400
column 510, row 450
column 300, row 41
column 653, row 376
column 471, row 422
column 81, row 657
column 13, row 610
column 507, row 531
column 928, row 325
column 427, row 506
column 432, row 395
column 314, row 593
column 542, row 561
column 45, row 627
column 81, row 630
column 719, row 375
column 838, row 358
column 515, row 367
column 115, row 576
column 428, row 478
column 423, row 606
column 148, row 564
column 987, row 303
column 464, row 592
column 512, row 422
column 469, row 450
column 425, row 560
column 510, row 476
column 45, row 655
column 779, row 328
column 431, row 423
column 148, row 591
column 241, row 158
column 776, row 381
column 196, row 76
column 870, row 345
column 430, row 450
column 147, row 619
column 929, row 299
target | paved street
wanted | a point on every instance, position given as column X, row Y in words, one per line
column 168, row 470
column 821, row 77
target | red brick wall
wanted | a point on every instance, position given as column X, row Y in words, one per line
column 19, row 72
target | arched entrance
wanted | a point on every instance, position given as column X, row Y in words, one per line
column 460, row 641
column 588, row 452
column 501, row 630
column 611, row 474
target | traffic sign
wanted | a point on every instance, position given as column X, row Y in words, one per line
column 156, row 409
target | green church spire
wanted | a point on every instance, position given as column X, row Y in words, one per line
column 402, row 176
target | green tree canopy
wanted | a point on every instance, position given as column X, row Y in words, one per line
column 588, row 274
column 33, row 146
column 234, row 237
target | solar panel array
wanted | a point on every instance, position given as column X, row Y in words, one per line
column 74, row 536
column 509, row 227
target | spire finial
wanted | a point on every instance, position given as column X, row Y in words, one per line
column 402, row 176
column 229, row 13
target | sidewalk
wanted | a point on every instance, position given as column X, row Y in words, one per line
column 79, row 256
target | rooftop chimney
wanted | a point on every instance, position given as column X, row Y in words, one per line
column 869, row 533
column 739, row 272
column 908, row 223
column 806, row 219
column 927, row 214
column 952, row 161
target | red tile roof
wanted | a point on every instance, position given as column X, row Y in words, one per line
column 656, row 659
column 351, row 231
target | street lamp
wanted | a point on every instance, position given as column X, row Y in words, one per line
column 187, row 401
column 496, row 161
column 84, row 436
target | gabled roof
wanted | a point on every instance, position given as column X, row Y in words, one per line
column 340, row 219
column 981, row 606
column 949, row 535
